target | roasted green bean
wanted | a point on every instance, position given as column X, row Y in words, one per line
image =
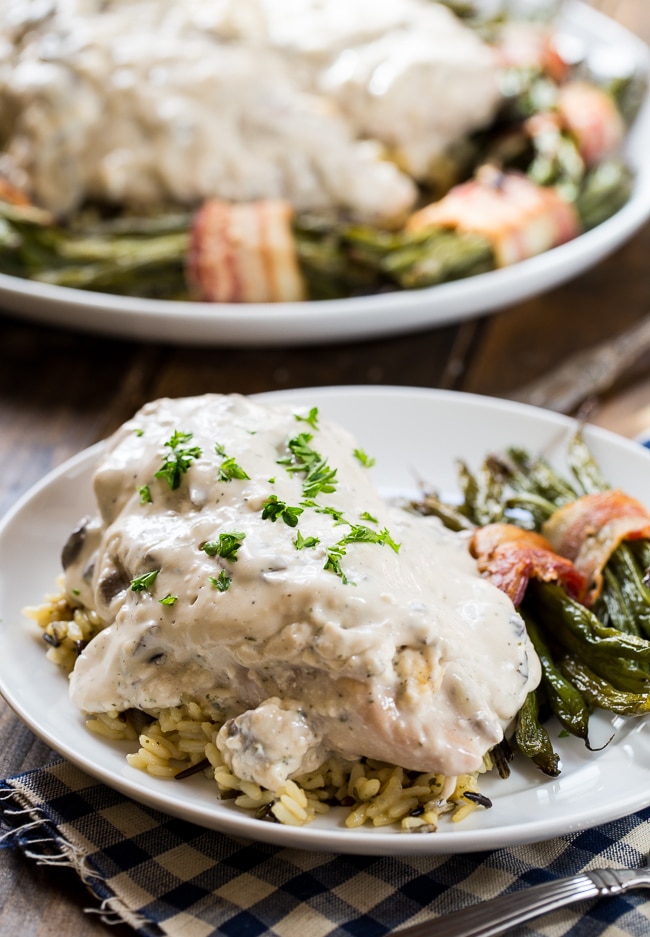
column 565, row 701
column 533, row 739
column 599, row 692
column 563, row 612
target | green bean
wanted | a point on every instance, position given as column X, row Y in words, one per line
column 623, row 567
column 641, row 550
column 469, row 488
column 557, row 162
column 606, row 188
column 120, row 265
column 533, row 739
column 623, row 674
column 450, row 516
column 328, row 271
column 565, row 612
column 612, row 608
column 482, row 494
column 446, row 255
column 540, row 478
column 369, row 245
column 568, row 628
column 566, row 702
column 536, row 508
column 584, row 467
column 599, row 692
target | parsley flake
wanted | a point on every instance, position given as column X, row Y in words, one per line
column 230, row 469
column 311, row 418
column 143, row 582
column 169, row 599
column 361, row 534
column 145, row 494
column 333, row 562
column 319, row 477
column 226, row 546
column 363, row 458
column 333, row 512
column 179, row 460
column 273, row 508
column 222, row 581
column 303, row 543
column 367, row 516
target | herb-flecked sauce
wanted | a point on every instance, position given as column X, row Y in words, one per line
column 241, row 557
column 338, row 104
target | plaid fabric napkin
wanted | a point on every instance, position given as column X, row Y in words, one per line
column 164, row 876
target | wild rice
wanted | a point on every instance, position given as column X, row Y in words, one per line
column 179, row 739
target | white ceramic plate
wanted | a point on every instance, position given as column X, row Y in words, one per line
column 414, row 434
column 368, row 316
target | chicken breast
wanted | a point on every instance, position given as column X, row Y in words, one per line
column 242, row 558
column 147, row 102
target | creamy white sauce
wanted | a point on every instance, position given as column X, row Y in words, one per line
column 139, row 102
column 415, row 659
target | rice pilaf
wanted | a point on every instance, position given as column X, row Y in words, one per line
column 179, row 741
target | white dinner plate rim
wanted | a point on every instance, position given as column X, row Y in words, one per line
column 539, row 825
column 361, row 317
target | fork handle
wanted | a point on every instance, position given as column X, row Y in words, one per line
column 499, row 914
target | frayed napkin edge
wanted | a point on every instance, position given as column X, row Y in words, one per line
column 54, row 849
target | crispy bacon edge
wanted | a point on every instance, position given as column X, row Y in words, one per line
column 588, row 531
column 510, row 557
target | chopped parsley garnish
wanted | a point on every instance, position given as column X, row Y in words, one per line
column 226, row 546
column 302, row 454
column 361, row 534
column 230, row 469
column 273, row 508
column 319, row 477
column 364, row 459
column 358, row 534
column 303, row 543
column 333, row 562
column 145, row 494
column 138, row 432
column 333, row 512
column 179, row 460
column 367, row 516
column 145, row 581
column 311, row 418
column 169, row 599
column 222, row 581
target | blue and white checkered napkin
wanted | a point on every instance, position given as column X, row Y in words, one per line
column 167, row 877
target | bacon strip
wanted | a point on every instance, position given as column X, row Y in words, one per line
column 509, row 557
column 10, row 194
column 517, row 216
column 244, row 252
column 592, row 116
column 529, row 45
column 588, row 530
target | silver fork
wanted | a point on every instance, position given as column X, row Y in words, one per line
column 496, row 915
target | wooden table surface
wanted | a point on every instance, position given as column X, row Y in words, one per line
column 61, row 390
